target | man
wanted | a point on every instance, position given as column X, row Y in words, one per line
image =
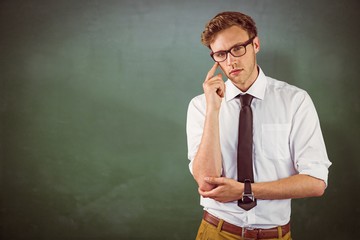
column 287, row 153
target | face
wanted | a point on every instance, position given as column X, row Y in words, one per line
column 242, row 71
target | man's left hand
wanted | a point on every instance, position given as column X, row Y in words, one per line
column 226, row 190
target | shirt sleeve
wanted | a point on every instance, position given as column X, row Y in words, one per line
column 194, row 126
column 306, row 141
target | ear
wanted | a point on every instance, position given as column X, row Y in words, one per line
column 256, row 44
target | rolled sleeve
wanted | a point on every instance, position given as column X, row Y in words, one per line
column 307, row 143
column 194, row 126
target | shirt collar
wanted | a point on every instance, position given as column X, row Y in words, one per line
column 257, row 89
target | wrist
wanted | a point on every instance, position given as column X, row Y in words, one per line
column 212, row 111
column 247, row 201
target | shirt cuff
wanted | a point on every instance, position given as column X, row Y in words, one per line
column 320, row 172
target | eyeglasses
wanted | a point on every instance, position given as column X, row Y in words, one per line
column 236, row 51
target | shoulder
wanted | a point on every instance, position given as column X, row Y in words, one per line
column 284, row 90
column 197, row 105
column 198, row 101
column 287, row 96
column 281, row 86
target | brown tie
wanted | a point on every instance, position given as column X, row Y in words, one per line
column 244, row 157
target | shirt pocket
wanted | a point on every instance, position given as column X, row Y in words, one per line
column 275, row 141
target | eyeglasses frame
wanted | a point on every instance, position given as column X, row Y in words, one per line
column 229, row 51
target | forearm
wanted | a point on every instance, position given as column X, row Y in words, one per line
column 208, row 161
column 297, row 186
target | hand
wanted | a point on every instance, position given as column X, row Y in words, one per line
column 226, row 190
column 214, row 88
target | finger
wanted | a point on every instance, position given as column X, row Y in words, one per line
column 202, row 193
column 214, row 85
column 216, row 80
column 214, row 181
column 206, row 194
column 212, row 71
column 221, row 90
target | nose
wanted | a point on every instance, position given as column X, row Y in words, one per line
column 230, row 59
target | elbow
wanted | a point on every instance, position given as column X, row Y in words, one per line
column 202, row 184
column 319, row 189
column 199, row 176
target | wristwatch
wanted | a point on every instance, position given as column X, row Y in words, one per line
column 247, row 200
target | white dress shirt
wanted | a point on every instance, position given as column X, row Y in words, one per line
column 287, row 140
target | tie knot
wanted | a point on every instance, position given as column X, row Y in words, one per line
column 245, row 99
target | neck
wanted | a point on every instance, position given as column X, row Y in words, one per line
column 250, row 81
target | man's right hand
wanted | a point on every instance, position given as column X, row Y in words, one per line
column 214, row 89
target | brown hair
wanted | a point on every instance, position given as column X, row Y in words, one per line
column 225, row 20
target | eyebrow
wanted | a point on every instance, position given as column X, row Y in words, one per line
column 237, row 44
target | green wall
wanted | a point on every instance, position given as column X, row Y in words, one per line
column 93, row 100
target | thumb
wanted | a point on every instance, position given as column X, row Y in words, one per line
column 221, row 91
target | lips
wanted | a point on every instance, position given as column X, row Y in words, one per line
column 235, row 71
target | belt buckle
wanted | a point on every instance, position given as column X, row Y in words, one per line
column 243, row 233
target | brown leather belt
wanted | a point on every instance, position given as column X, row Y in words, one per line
column 256, row 233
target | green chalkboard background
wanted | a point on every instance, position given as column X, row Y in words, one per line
column 93, row 100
